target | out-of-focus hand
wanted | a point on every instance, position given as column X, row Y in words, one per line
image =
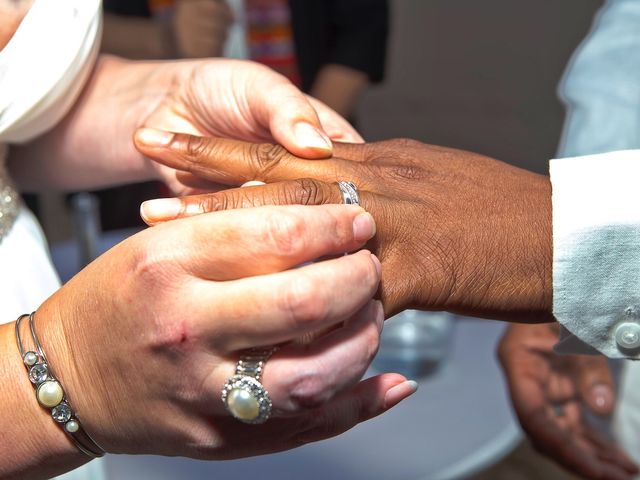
column 551, row 393
column 145, row 337
column 200, row 27
column 246, row 101
column 456, row 231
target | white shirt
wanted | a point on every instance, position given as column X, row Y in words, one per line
column 42, row 70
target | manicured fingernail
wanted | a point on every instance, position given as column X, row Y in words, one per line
column 252, row 183
column 398, row 393
column 377, row 263
column 364, row 227
column 162, row 209
column 310, row 137
column 151, row 137
column 602, row 396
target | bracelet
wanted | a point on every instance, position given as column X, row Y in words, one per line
column 50, row 394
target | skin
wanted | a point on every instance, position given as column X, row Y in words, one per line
column 163, row 315
column 446, row 237
column 230, row 98
column 168, row 312
column 339, row 87
column 198, row 29
column 551, row 395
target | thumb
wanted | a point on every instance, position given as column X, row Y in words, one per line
column 596, row 385
column 292, row 120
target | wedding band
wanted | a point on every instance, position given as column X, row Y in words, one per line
column 243, row 395
column 349, row 193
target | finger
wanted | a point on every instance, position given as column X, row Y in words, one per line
column 335, row 125
column 288, row 304
column 234, row 162
column 292, row 120
column 303, row 377
column 295, row 192
column 266, row 240
column 595, row 384
column 368, row 399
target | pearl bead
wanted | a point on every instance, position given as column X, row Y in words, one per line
column 50, row 394
column 71, row 426
column 243, row 405
column 30, row 358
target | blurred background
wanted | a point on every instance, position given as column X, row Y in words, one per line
column 480, row 75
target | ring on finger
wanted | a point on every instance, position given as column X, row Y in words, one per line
column 242, row 394
column 349, row 193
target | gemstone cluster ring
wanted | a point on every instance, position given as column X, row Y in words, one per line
column 243, row 395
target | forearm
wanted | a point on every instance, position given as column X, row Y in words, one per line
column 136, row 38
column 92, row 146
column 33, row 446
column 339, row 87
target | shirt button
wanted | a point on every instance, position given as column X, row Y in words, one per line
column 628, row 336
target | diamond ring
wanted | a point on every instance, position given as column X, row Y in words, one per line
column 349, row 193
column 243, row 395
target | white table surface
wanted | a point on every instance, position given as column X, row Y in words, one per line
column 459, row 422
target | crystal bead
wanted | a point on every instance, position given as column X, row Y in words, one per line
column 61, row 413
column 38, row 373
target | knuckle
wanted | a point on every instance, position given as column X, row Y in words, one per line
column 213, row 203
column 308, row 391
column 265, row 157
column 197, row 148
column 307, row 191
column 285, row 232
column 302, row 304
column 403, row 143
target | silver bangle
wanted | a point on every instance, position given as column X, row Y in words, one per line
column 50, row 394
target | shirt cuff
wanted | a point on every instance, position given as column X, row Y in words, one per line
column 596, row 253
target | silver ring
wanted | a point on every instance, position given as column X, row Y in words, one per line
column 349, row 193
column 243, row 395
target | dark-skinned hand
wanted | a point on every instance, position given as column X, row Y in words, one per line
column 457, row 231
column 552, row 396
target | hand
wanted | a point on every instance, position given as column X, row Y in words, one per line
column 551, row 393
column 145, row 337
column 246, row 101
column 200, row 27
column 456, row 231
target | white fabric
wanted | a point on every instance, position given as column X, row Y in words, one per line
column 596, row 248
column 42, row 70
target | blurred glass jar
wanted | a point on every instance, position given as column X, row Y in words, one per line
column 415, row 343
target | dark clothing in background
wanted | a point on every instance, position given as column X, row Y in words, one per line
column 136, row 8
column 352, row 33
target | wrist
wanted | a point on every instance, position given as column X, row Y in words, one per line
column 44, row 450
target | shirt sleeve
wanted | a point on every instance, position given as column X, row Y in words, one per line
column 596, row 253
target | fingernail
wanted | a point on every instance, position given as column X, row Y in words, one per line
column 151, row 137
column 377, row 263
column 309, row 136
column 364, row 227
column 162, row 209
column 252, row 183
column 602, row 397
column 398, row 393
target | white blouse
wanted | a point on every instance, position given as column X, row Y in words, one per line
column 42, row 70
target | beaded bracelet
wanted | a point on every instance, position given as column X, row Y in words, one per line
column 50, row 394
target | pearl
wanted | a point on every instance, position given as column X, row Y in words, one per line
column 30, row 358
column 71, row 426
column 243, row 405
column 50, row 394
